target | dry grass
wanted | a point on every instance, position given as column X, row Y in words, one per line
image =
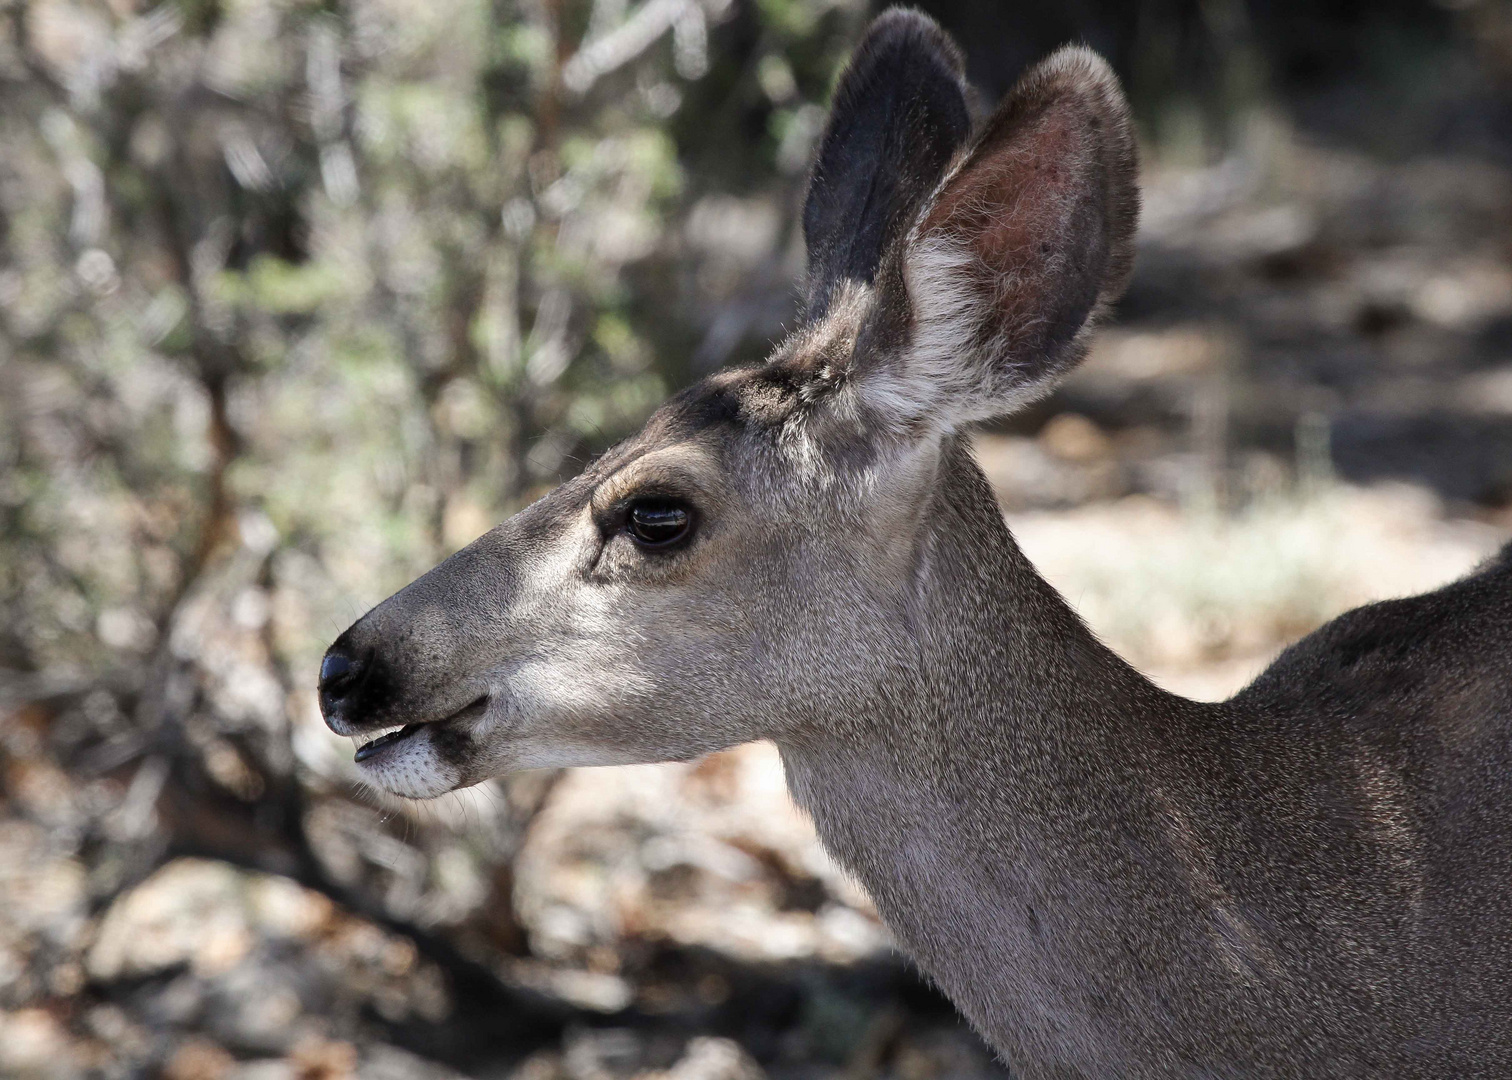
column 1201, row 601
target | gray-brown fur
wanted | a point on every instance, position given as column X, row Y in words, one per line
column 1312, row 879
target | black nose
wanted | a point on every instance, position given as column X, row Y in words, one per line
column 339, row 676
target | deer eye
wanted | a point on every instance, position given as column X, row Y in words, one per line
column 659, row 523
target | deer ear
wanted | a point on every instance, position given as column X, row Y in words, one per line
column 988, row 300
column 899, row 116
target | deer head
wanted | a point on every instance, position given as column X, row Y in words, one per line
column 734, row 571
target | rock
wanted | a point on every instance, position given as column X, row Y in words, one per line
column 715, row 1059
column 199, row 1059
column 1072, row 437
column 189, row 912
column 33, row 1043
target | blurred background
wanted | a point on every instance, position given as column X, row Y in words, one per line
column 298, row 297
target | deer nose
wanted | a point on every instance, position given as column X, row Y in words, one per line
column 340, row 674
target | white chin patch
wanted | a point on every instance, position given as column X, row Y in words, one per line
column 411, row 769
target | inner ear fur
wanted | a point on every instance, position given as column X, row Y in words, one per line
column 990, row 297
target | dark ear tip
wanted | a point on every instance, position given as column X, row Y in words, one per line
column 909, row 28
column 898, row 117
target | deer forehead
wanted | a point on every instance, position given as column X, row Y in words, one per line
column 754, row 426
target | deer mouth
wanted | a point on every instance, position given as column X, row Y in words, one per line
column 369, row 750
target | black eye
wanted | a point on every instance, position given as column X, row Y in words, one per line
column 659, row 523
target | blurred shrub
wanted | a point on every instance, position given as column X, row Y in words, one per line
column 373, row 273
column 295, row 298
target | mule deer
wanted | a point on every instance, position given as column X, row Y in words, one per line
column 1311, row 879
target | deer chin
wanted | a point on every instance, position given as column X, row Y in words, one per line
column 422, row 760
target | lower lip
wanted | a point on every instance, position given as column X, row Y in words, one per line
column 367, row 751
column 377, row 746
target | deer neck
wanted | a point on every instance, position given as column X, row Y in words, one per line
column 993, row 791
column 991, row 677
